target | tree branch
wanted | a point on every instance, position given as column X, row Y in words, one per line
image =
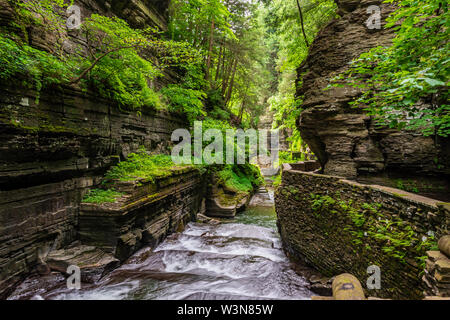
column 301, row 22
column 83, row 74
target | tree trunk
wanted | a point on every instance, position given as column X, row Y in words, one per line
column 301, row 22
column 227, row 75
column 230, row 89
column 241, row 112
column 219, row 62
column 211, row 43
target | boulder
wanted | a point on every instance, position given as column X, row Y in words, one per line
column 444, row 245
column 347, row 287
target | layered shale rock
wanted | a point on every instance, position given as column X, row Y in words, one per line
column 146, row 213
column 343, row 138
column 53, row 149
column 93, row 263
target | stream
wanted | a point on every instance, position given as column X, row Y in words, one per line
column 237, row 259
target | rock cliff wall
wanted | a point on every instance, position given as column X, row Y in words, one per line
column 145, row 215
column 53, row 150
column 344, row 139
column 338, row 226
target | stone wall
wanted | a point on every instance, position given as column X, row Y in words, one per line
column 338, row 226
column 145, row 215
column 345, row 139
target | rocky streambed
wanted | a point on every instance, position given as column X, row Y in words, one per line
column 233, row 259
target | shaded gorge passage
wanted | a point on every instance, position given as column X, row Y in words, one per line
column 235, row 259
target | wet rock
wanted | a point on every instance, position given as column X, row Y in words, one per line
column 149, row 212
column 93, row 262
column 54, row 150
column 201, row 218
column 43, row 269
column 36, row 287
column 222, row 203
column 216, row 209
column 321, row 286
column 319, row 238
column 263, row 198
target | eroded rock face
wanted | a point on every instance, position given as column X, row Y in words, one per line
column 53, row 150
column 344, row 139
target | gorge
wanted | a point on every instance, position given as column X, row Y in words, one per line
column 86, row 178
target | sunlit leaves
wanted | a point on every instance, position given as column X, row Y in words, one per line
column 406, row 85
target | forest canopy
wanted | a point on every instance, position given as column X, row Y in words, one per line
column 236, row 61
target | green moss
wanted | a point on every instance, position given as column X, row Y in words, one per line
column 100, row 196
column 142, row 166
column 240, row 178
column 367, row 224
column 44, row 127
column 320, row 203
column 408, row 185
column 399, row 195
column 277, row 181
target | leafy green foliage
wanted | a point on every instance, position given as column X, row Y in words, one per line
column 33, row 68
column 240, row 178
column 408, row 185
column 406, row 85
column 100, row 196
column 286, row 38
column 319, row 203
column 113, row 63
column 187, row 101
column 123, row 77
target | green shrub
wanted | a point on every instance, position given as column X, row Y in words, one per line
column 240, row 178
column 123, row 77
column 396, row 80
column 186, row 101
column 30, row 67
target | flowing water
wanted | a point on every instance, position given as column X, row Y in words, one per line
column 239, row 259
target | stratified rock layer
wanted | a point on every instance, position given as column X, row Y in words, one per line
column 148, row 212
column 343, row 138
column 339, row 226
column 53, row 149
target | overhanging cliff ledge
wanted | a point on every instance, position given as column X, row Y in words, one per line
column 345, row 139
